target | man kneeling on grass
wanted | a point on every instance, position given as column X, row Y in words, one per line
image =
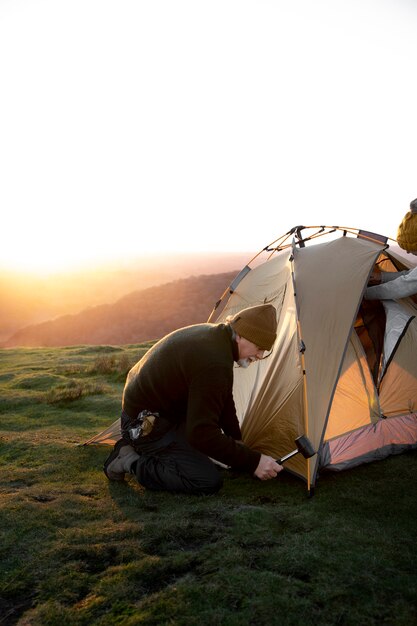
column 178, row 411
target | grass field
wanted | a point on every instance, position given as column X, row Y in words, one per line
column 78, row 550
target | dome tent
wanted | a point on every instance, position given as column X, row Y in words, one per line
column 327, row 377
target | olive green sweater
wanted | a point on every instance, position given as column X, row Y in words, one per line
column 188, row 376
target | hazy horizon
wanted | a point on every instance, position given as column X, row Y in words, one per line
column 149, row 259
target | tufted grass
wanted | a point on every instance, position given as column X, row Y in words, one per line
column 78, row 550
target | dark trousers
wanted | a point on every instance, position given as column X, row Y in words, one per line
column 169, row 463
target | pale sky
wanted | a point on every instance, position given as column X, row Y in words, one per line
column 172, row 125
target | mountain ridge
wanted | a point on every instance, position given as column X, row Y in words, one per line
column 141, row 315
column 28, row 299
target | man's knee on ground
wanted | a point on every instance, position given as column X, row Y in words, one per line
column 212, row 483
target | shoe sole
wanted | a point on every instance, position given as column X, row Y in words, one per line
column 114, row 454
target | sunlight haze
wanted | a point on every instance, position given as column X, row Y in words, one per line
column 132, row 127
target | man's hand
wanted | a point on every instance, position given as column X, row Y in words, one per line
column 267, row 468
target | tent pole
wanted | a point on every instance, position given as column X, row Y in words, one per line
column 302, row 359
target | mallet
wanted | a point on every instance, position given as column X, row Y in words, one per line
column 304, row 446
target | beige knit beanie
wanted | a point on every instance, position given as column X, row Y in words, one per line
column 257, row 324
column 407, row 230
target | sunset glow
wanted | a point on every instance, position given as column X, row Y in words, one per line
column 155, row 127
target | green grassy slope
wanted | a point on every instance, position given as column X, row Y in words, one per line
column 78, row 550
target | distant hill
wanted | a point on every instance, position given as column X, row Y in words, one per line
column 140, row 316
column 32, row 299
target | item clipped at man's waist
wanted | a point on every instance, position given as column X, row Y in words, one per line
column 143, row 425
column 147, row 425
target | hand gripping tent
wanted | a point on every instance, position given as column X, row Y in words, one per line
column 343, row 370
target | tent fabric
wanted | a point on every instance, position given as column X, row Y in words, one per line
column 327, row 390
column 397, row 320
column 398, row 388
column 355, row 403
column 107, row 437
column 324, row 290
column 328, row 309
column 371, row 443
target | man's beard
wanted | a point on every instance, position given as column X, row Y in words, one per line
column 244, row 362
